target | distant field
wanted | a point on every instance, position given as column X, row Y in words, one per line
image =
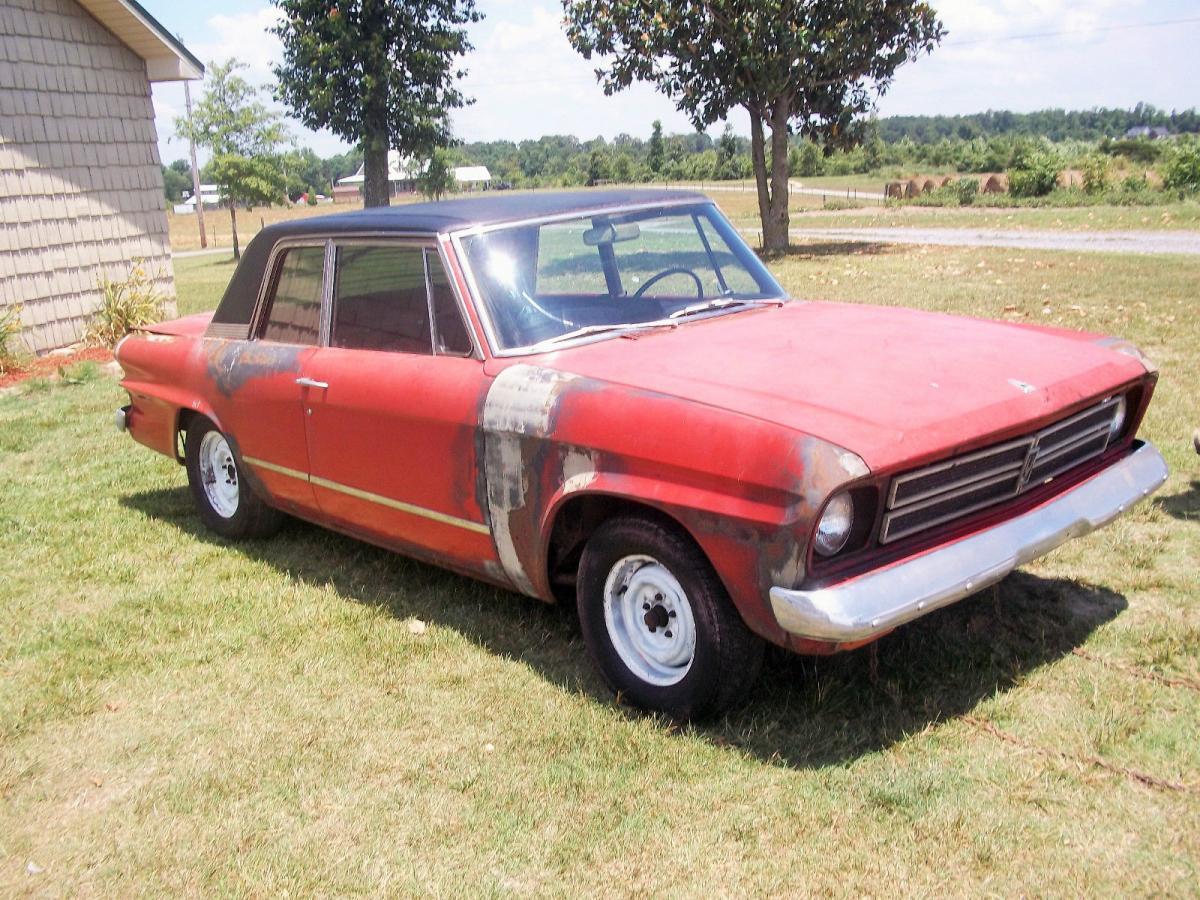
column 309, row 715
column 739, row 201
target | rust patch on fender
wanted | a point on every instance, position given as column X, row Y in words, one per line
column 518, row 413
column 230, row 364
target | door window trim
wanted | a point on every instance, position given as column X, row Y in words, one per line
column 266, row 290
column 427, row 247
column 429, row 244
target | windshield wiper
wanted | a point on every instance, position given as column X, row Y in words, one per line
column 595, row 329
column 720, row 303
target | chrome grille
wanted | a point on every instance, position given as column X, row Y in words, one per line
column 947, row 490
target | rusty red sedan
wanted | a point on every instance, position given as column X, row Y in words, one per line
column 605, row 397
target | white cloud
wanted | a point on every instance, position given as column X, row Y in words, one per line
column 527, row 81
column 244, row 36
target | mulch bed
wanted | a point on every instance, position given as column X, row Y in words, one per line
column 45, row 366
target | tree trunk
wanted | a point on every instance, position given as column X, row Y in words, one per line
column 237, row 251
column 773, row 184
column 376, row 190
column 779, row 177
column 758, row 158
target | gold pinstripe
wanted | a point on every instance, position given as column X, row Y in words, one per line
column 432, row 514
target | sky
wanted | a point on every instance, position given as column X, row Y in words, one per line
column 1019, row 55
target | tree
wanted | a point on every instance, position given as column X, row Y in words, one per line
column 251, row 180
column 438, row 178
column 655, row 152
column 175, row 183
column 817, row 63
column 380, row 73
column 242, row 134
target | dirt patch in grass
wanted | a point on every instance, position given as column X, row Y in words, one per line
column 47, row 366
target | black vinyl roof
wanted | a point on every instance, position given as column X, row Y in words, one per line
column 488, row 208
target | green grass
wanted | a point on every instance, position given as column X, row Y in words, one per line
column 182, row 715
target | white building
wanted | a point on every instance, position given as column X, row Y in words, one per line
column 402, row 175
column 210, row 196
column 470, row 178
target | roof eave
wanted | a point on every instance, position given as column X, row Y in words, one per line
column 166, row 58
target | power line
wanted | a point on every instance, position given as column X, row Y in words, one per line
column 1128, row 26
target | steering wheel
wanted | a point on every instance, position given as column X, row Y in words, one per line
column 674, row 270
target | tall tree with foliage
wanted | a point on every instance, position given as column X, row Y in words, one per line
column 655, row 152
column 380, row 73
column 817, row 64
column 244, row 137
column 438, row 178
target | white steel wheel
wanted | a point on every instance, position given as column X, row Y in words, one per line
column 219, row 475
column 649, row 620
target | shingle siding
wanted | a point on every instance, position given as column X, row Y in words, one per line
column 81, row 191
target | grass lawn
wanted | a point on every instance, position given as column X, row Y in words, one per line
column 182, row 715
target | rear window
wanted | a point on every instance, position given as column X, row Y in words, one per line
column 294, row 314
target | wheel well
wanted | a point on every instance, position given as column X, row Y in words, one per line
column 574, row 523
column 182, row 423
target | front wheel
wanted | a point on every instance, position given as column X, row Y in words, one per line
column 659, row 624
column 225, row 502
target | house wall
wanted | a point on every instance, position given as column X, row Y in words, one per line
column 81, row 190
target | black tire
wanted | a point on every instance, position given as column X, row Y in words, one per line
column 251, row 518
column 727, row 656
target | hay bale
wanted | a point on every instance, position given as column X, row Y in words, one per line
column 896, row 190
column 1070, row 178
column 994, row 184
column 915, row 187
column 945, row 180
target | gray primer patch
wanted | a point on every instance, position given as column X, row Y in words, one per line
column 520, row 405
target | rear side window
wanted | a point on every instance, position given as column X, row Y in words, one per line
column 451, row 331
column 380, row 301
column 294, row 315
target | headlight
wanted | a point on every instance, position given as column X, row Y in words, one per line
column 834, row 528
column 1118, row 419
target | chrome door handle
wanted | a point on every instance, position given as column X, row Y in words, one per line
column 312, row 382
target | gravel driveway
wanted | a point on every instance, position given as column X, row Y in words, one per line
column 1184, row 242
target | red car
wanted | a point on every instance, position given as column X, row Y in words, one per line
column 606, row 395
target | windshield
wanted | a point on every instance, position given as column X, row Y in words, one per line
column 553, row 281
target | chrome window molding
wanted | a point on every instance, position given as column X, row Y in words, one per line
column 267, row 285
column 455, row 238
column 424, row 241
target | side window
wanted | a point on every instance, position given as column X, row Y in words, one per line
column 379, row 300
column 450, row 331
column 294, row 316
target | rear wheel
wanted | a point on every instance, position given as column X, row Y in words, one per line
column 659, row 624
column 226, row 504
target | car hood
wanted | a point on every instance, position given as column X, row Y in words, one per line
column 896, row 386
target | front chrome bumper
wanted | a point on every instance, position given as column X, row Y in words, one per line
column 878, row 601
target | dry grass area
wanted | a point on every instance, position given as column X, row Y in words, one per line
column 738, row 200
column 181, row 715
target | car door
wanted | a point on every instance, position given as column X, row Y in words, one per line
column 391, row 407
column 259, row 404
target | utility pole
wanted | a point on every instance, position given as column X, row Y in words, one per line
column 196, row 195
